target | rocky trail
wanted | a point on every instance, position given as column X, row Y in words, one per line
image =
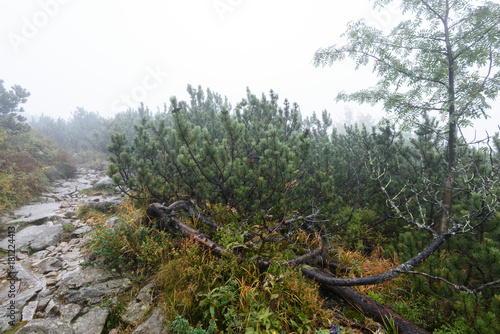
column 43, row 283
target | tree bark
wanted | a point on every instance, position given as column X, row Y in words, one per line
column 452, row 130
column 325, row 278
column 374, row 310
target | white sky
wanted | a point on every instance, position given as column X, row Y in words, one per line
column 108, row 55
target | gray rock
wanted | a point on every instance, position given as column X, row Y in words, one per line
column 91, row 322
column 36, row 214
column 12, row 314
column 29, row 310
column 46, row 326
column 154, row 325
column 80, row 231
column 8, row 317
column 105, row 182
column 53, row 308
column 86, row 277
column 112, row 221
column 48, row 264
column 36, row 237
column 24, row 279
column 27, row 295
column 91, row 286
column 70, row 311
column 40, row 255
column 7, row 289
column 138, row 307
column 69, row 214
column 97, row 293
column 106, row 205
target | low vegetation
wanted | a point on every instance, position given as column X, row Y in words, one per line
column 370, row 195
column 405, row 212
column 28, row 161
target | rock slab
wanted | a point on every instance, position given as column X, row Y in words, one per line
column 35, row 237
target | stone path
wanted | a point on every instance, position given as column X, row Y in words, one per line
column 42, row 281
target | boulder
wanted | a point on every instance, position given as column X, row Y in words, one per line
column 80, row 231
column 91, row 322
column 48, row 264
column 24, row 279
column 36, row 214
column 14, row 315
column 36, row 237
column 46, row 326
column 70, row 311
column 29, row 310
column 96, row 293
column 91, row 286
column 105, row 182
column 154, row 325
column 139, row 306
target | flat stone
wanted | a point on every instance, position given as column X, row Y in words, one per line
column 74, row 242
column 46, row 326
column 52, row 274
column 48, row 264
column 36, row 214
column 91, row 322
column 97, row 293
column 36, row 237
column 70, row 311
column 7, row 316
column 24, row 275
column 21, row 256
column 154, row 325
column 27, row 295
column 88, row 276
column 80, row 231
column 138, row 307
column 51, row 282
column 104, row 183
column 29, row 311
column 93, row 284
column 44, row 301
column 40, row 255
column 53, row 308
column 7, row 288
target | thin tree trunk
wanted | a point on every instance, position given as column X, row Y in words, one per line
column 452, row 131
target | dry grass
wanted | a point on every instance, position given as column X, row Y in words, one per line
column 374, row 264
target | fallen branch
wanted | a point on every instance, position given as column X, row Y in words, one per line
column 326, row 278
column 372, row 309
column 172, row 223
column 168, row 221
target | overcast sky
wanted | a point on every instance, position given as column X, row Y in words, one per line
column 109, row 55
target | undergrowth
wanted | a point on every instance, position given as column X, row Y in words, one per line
column 204, row 293
column 28, row 163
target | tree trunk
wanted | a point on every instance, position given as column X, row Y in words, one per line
column 452, row 130
column 374, row 310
